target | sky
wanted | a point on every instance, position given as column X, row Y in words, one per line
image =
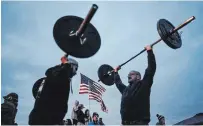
column 28, row 50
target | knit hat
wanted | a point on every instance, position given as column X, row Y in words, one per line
column 11, row 96
column 160, row 117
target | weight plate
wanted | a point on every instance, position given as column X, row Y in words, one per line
column 164, row 28
column 72, row 45
column 104, row 76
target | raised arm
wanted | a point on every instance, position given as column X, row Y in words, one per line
column 62, row 70
column 51, row 107
column 119, row 83
column 151, row 69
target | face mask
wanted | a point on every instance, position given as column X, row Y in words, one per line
column 74, row 66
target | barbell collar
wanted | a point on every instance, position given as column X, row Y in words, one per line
column 184, row 24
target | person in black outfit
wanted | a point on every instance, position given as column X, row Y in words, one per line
column 51, row 106
column 9, row 109
column 67, row 122
column 135, row 102
column 81, row 115
column 101, row 121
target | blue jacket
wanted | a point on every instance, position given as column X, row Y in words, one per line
column 92, row 123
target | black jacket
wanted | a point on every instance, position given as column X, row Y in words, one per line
column 51, row 107
column 101, row 123
column 81, row 116
column 8, row 113
column 135, row 102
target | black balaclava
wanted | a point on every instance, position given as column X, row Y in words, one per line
column 74, row 67
column 134, row 76
column 12, row 97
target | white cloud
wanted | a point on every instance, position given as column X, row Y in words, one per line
column 21, row 76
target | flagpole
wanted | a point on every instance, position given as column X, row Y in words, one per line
column 89, row 98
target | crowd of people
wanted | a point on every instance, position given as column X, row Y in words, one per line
column 78, row 115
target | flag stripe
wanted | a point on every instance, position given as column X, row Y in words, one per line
column 93, row 98
column 97, row 86
column 95, row 90
column 95, row 83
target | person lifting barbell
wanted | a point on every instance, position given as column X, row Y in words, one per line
column 135, row 101
column 52, row 92
column 51, row 101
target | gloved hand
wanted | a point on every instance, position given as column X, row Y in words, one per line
column 72, row 62
column 64, row 68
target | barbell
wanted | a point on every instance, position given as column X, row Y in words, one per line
column 76, row 37
column 167, row 32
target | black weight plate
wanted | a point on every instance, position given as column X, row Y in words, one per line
column 164, row 28
column 103, row 76
column 72, row 46
column 36, row 86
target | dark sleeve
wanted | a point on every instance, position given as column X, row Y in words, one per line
column 59, row 70
column 8, row 113
column 151, row 69
column 121, row 87
column 51, row 107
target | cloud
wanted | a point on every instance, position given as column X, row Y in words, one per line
column 28, row 49
column 22, row 76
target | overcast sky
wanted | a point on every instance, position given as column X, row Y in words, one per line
column 28, row 50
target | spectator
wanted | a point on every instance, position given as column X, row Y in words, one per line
column 9, row 109
column 101, row 121
column 81, row 115
column 87, row 117
column 95, row 117
column 161, row 120
column 67, row 122
column 74, row 113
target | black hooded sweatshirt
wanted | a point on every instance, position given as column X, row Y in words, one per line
column 51, row 107
column 135, row 101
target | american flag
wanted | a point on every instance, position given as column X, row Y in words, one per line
column 95, row 90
